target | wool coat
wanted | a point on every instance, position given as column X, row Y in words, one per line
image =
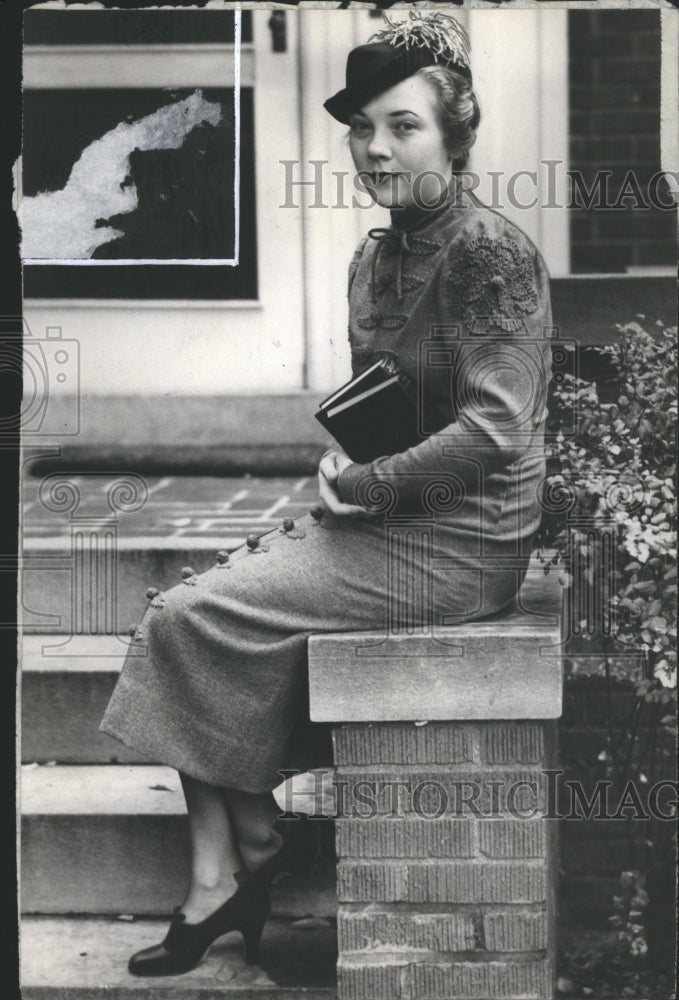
column 215, row 682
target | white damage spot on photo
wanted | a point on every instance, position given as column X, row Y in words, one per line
column 62, row 224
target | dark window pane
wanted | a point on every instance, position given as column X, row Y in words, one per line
column 184, row 196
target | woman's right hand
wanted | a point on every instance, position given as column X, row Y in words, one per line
column 328, row 475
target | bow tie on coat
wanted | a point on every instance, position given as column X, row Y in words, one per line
column 400, row 242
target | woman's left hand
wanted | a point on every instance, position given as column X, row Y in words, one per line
column 329, row 469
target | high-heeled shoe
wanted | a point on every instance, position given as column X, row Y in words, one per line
column 185, row 945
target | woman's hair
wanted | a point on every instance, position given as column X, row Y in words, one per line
column 458, row 110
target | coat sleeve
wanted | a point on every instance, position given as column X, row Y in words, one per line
column 494, row 298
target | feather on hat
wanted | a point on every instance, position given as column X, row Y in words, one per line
column 395, row 53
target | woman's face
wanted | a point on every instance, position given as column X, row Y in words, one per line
column 398, row 147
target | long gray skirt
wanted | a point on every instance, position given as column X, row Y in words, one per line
column 215, row 684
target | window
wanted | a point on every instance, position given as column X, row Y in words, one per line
column 158, row 135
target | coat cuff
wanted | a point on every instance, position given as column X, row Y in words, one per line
column 347, row 482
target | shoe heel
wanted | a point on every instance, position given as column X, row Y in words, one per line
column 252, row 935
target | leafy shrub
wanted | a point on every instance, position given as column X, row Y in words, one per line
column 610, row 517
column 629, row 916
column 614, row 526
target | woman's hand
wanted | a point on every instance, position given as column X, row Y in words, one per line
column 329, row 469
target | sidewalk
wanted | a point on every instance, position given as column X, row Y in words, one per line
column 210, row 510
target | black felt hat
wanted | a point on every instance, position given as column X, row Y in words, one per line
column 397, row 53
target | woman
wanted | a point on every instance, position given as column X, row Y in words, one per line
column 220, row 691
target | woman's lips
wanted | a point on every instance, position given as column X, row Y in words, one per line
column 380, row 177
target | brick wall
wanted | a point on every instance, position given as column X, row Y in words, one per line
column 614, row 95
column 457, row 905
column 592, row 853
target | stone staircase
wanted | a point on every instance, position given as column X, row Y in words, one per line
column 104, row 836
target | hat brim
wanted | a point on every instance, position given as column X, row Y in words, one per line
column 350, row 99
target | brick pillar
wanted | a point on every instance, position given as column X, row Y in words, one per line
column 445, row 890
column 446, row 874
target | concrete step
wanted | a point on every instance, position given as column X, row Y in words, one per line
column 49, row 579
column 64, row 692
column 65, row 687
column 82, row 533
column 86, row 959
column 114, row 840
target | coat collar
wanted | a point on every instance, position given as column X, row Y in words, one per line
column 416, row 217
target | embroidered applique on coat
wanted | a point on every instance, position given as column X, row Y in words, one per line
column 492, row 285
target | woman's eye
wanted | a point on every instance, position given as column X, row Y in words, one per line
column 406, row 126
column 358, row 126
